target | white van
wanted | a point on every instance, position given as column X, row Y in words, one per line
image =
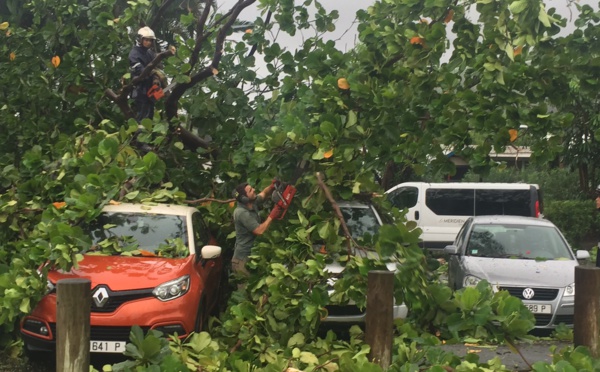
column 440, row 209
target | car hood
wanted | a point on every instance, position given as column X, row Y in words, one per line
column 336, row 267
column 123, row 273
column 514, row 272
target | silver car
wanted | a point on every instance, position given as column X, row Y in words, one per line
column 528, row 257
column 361, row 218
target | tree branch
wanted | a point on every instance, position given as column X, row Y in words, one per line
column 337, row 210
column 204, row 200
column 200, row 37
column 171, row 105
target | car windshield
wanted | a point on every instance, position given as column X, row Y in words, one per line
column 360, row 220
column 517, row 241
column 150, row 234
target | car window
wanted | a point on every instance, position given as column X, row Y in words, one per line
column 518, row 241
column 201, row 233
column 404, row 197
column 462, row 234
column 151, row 233
column 360, row 220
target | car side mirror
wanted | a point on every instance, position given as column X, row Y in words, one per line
column 208, row 252
column 582, row 254
column 451, row 249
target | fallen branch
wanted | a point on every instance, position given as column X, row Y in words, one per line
column 337, row 210
column 204, row 200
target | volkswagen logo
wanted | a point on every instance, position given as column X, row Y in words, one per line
column 528, row 293
column 100, row 296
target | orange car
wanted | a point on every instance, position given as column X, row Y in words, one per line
column 154, row 266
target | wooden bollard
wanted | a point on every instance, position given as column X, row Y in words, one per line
column 73, row 305
column 587, row 308
column 379, row 321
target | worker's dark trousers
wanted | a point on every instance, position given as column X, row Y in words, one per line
column 144, row 107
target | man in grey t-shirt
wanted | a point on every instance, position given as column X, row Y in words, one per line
column 247, row 222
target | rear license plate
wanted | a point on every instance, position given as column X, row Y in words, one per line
column 539, row 308
column 107, row 346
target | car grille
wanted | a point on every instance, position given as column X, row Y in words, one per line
column 541, row 294
column 106, row 333
column 542, row 319
column 116, row 299
column 347, row 310
column 567, row 319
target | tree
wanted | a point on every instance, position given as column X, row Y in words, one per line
column 346, row 116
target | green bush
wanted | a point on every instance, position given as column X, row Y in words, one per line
column 556, row 183
column 577, row 219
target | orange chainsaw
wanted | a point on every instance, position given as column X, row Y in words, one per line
column 282, row 196
column 284, row 192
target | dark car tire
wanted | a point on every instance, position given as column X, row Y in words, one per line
column 39, row 360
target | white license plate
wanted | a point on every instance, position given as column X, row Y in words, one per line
column 539, row 308
column 107, row 346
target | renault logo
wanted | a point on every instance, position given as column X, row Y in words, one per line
column 100, row 296
column 528, row 293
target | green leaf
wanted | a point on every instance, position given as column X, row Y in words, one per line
column 543, row 17
column 518, row 6
column 324, row 230
column 296, row 340
column 510, row 52
column 308, row 358
column 25, row 306
column 352, row 119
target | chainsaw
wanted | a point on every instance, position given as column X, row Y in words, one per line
column 282, row 196
column 283, row 193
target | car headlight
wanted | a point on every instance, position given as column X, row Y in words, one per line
column 171, row 290
column 471, row 281
column 50, row 287
column 570, row 290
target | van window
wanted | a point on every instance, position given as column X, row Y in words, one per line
column 404, row 197
column 512, row 202
column 450, row 202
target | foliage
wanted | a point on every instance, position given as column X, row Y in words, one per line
column 556, row 183
column 576, row 219
column 576, row 359
column 67, row 138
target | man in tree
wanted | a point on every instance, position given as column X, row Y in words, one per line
column 247, row 222
column 149, row 90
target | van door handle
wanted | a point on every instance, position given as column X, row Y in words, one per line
column 416, row 215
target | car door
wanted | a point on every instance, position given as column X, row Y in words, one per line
column 456, row 272
column 208, row 270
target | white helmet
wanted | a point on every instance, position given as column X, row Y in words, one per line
column 145, row 33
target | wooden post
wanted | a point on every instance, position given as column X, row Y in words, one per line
column 73, row 305
column 586, row 325
column 379, row 322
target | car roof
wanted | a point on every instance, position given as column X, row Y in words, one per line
column 151, row 208
column 352, row 204
column 507, row 219
column 470, row 185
